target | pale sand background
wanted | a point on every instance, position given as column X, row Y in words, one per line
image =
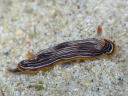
column 45, row 23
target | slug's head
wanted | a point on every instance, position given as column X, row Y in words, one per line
column 108, row 47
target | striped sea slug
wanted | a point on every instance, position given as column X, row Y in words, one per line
column 87, row 49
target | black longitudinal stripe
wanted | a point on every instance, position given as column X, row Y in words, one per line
column 50, row 53
column 55, row 60
column 70, row 48
column 82, row 53
column 62, row 52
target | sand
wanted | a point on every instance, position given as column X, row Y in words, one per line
column 34, row 25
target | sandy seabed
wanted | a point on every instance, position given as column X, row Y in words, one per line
column 33, row 25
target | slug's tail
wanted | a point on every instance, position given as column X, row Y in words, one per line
column 14, row 70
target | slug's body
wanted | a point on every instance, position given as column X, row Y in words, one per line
column 65, row 52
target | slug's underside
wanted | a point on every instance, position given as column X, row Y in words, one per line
column 65, row 52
